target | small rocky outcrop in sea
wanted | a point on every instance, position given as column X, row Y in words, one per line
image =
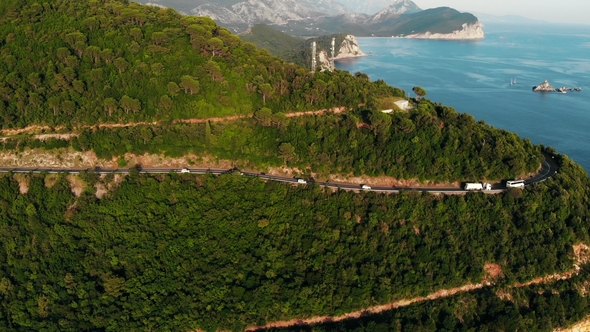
column 544, row 87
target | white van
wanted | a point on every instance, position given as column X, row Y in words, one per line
column 515, row 184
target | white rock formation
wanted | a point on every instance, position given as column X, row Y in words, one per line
column 324, row 60
column 544, row 87
column 469, row 31
column 348, row 49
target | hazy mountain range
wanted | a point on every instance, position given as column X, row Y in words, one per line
column 321, row 17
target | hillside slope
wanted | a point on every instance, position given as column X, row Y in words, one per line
column 186, row 252
column 298, row 50
column 276, row 42
column 80, row 62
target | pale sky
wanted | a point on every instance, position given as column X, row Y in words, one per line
column 564, row 11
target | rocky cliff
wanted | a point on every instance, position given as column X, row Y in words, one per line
column 469, row 31
column 349, row 48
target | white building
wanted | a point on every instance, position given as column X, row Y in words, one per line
column 403, row 104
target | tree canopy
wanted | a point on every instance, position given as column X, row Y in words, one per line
column 87, row 62
column 419, row 91
column 185, row 252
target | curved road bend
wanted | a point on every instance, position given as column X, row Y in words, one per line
column 548, row 169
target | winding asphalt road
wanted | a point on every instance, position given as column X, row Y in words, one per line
column 548, row 169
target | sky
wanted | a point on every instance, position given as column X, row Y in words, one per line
column 568, row 11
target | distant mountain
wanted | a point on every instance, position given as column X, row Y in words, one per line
column 330, row 7
column 395, row 10
column 369, row 7
column 240, row 15
column 312, row 18
column 441, row 20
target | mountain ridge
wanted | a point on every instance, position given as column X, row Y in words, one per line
column 306, row 18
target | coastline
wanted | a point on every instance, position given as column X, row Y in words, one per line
column 350, row 57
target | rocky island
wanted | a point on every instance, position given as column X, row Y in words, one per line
column 546, row 87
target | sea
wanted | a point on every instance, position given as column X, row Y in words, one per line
column 475, row 77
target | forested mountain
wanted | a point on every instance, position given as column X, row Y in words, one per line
column 431, row 143
column 82, row 62
column 181, row 252
column 442, row 20
column 277, row 43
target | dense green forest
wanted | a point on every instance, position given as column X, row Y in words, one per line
column 276, row 43
column 72, row 62
column 432, row 142
column 534, row 308
column 183, row 252
column 174, row 252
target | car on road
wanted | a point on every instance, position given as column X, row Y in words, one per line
column 302, row 181
column 185, row 170
column 365, row 187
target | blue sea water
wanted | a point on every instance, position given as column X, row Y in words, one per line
column 474, row 77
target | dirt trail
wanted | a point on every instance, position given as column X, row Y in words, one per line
column 37, row 128
column 582, row 326
column 120, row 125
column 371, row 310
column 335, row 110
column 33, row 128
column 581, row 256
column 219, row 119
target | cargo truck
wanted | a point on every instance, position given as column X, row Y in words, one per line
column 477, row 186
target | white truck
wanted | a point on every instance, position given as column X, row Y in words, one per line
column 365, row 187
column 477, row 186
column 302, row 181
column 515, row 184
column 185, row 170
